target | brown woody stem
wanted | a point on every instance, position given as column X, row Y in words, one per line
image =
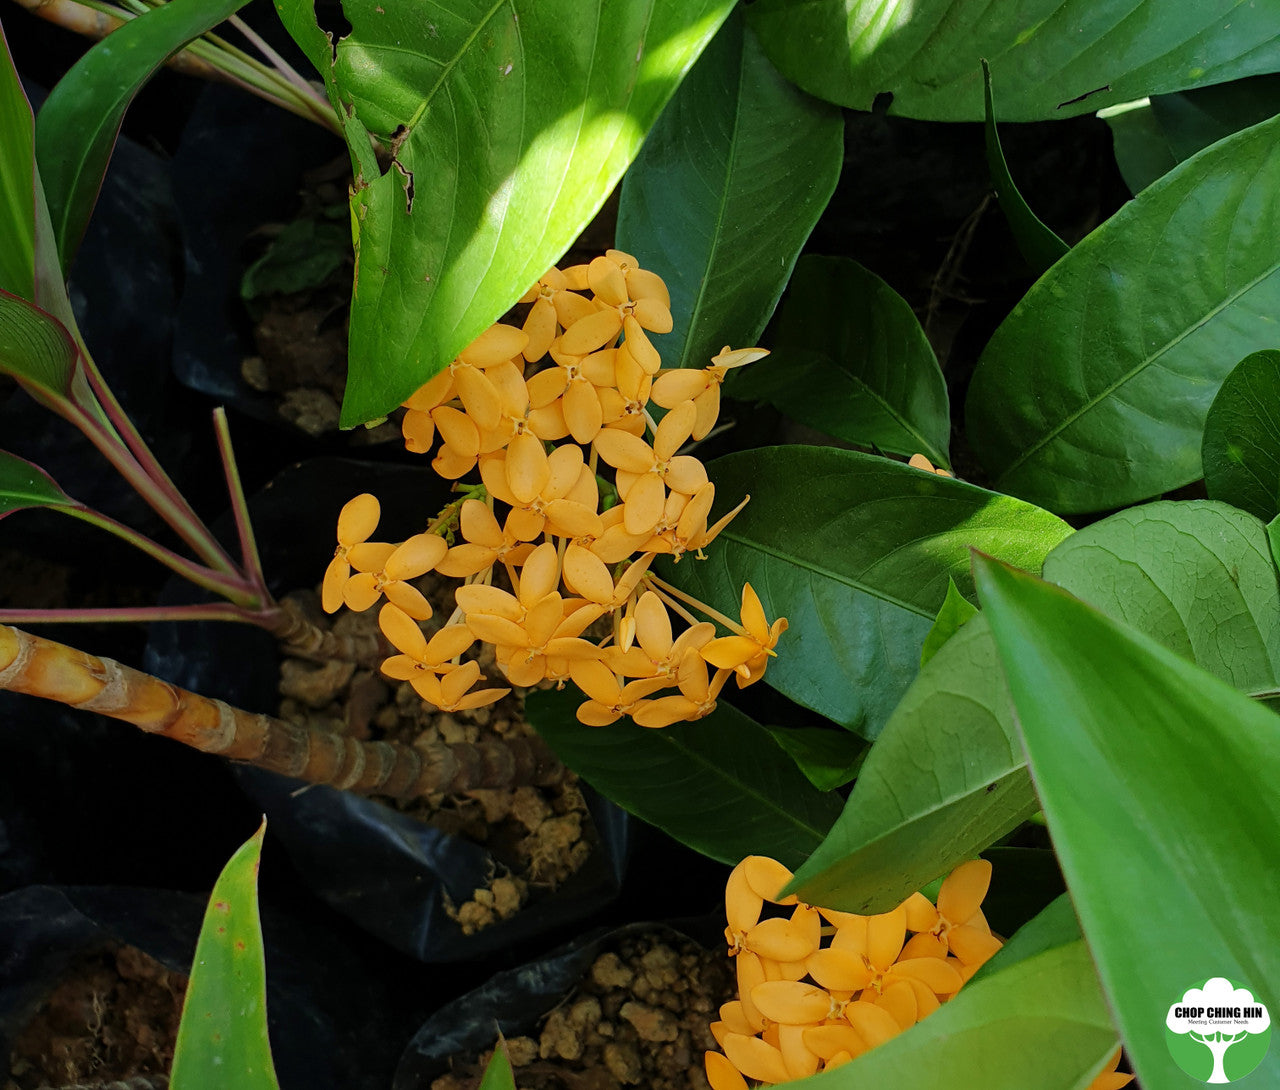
column 39, row 667
column 300, row 637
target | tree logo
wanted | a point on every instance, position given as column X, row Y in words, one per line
column 1218, row 1032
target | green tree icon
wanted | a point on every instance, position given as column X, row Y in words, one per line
column 1218, row 1015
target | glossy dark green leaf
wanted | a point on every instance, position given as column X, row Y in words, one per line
column 946, row 779
column 510, row 123
column 23, row 484
column 1273, row 537
column 1152, row 136
column 222, row 1040
column 36, row 349
column 850, row 359
column 77, row 126
column 17, row 178
column 828, row 757
column 1158, row 782
column 1197, row 576
column 1055, row 59
column 1240, row 453
column 725, row 191
column 305, row 255
column 1033, row 1017
column 1039, row 245
column 721, row 785
column 1093, row 392
column 856, row 552
column 956, row 611
column 498, row 1074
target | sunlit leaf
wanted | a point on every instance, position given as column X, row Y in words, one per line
column 956, row 611
column 1093, row 392
column 850, row 359
column 1055, row 59
column 856, row 552
column 510, row 124
column 222, row 1040
column 1158, row 783
column 721, row 785
column 712, row 202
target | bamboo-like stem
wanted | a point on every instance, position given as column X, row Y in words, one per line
column 301, row 637
column 39, row 667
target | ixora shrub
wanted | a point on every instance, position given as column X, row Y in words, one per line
column 989, row 623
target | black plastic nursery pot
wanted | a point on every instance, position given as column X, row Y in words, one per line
column 329, row 1023
column 386, row 870
column 516, row 1002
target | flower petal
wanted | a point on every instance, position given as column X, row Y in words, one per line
column 963, row 890
column 591, row 332
column 721, row 1074
column 358, row 519
column 417, row 556
column 497, row 344
column 755, row 1059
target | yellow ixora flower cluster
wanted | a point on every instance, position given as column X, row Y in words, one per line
column 540, row 413
column 819, row 987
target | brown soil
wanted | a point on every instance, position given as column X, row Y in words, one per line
column 541, row 836
column 640, row 1017
column 114, row 1017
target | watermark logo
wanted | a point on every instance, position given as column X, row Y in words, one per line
column 1218, row 1032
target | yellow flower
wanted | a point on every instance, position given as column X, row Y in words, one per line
column 415, row 557
column 1109, row 1078
column 956, row 925
column 426, row 664
column 919, row 461
column 747, row 653
column 356, row 522
column 702, row 387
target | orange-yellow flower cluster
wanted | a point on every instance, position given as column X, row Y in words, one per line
column 817, row 988
column 540, row 413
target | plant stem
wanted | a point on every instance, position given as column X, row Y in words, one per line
column 210, row 611
column 714, row 614
column 239, row 506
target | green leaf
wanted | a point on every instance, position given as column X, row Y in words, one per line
column 498, row 1074
column 222, row 1040
column 1033, row 1017
column 302, row 256
column 36, row 349
column 1197, row 576
column 711, row 203
column 721, row 785
column 945, row 779
column 1141, row 146
column 1152, row 136
column 956, row 611
column 1180, row 809
column 850, row 359
column 1038, row 244
column 1240, row 454
column 24, row 484
column 1273, row 536
column 78, row 123
column 1093, row 392
column 829, row 758
column 17, row 178
column 510, row 123
column 856, row 552
column 1055, row 59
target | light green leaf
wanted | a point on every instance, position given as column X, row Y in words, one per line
column 1273, row 537
column 1180, row 808
column 1053, row 59
column 222, row 1040
column 856, row 552
column 956, row 611
column 24, row 484
column 498, row 1074
column 1038, row 244
column 77, row 127
column 36, row 349
column 17, row 178
column 1197, row 576
column 712, row 203
column 720, row 785
column 850, row 359
column 1240, row 454
column 1033, row 1017
column 510, row 123
column 945, row 779
column 1093, row 392
column 828, row 757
